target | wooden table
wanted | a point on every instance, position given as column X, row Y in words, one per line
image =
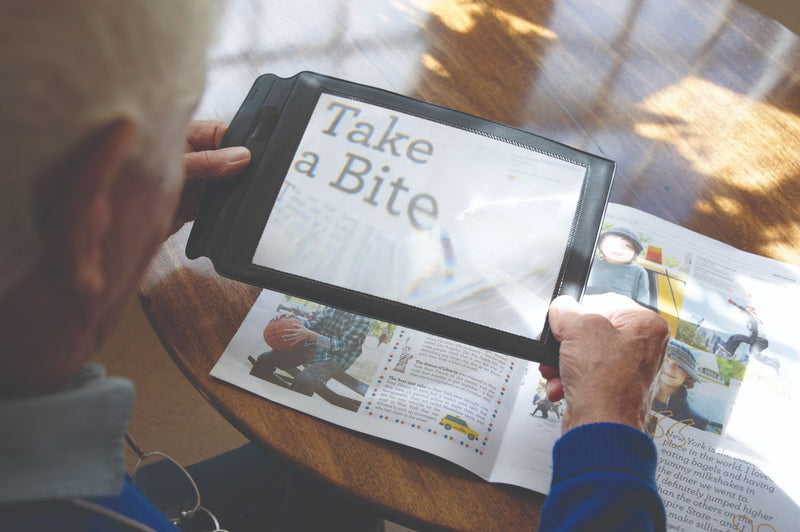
column 697, row 102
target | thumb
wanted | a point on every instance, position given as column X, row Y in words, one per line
column 211, row 164
column 561, row 309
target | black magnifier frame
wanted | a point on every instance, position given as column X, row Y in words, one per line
column 279, row 123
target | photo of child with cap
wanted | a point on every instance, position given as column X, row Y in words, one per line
column 615, row 269
column 678, row 375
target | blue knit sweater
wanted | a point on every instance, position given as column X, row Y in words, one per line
column 603, row 479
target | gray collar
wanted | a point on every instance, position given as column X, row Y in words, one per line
column 66, row 444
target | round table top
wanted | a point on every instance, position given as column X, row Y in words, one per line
column 698, row 104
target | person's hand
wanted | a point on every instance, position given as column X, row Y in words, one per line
column 299, row 334
column 611, row 350
column 204, row 161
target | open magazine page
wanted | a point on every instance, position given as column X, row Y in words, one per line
column 436, row 395
column 525, row 457
column 727, row 394
column 722, row 406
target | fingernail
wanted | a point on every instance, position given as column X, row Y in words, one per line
column 236, row 154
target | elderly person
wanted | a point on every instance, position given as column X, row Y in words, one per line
column 93, row 162
column 95, row 152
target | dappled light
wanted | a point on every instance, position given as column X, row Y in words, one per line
column 462, row 16
column 749, row 166
column 511, row 37
column 457, row 15
column 517, row 24
column 742, row 150
column 707, row 116
column 433, row 64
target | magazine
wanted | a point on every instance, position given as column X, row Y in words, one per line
column 721, row 416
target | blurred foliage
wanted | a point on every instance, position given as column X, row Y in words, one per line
column 731, row 369
column 687, row 333
column 728, row 369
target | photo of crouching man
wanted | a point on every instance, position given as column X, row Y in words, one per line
column 325, row 345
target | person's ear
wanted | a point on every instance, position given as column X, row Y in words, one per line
column 75, row 205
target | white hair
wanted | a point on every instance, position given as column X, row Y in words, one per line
column 69, row 67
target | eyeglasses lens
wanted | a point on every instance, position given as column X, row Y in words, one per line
column 168, row 486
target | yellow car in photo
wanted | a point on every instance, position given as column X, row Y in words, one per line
column 451, row 422
column 667, row 287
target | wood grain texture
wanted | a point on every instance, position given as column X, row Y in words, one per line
column 698, row 104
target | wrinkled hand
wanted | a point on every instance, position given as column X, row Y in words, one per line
column 611, row 350
column 204, row 161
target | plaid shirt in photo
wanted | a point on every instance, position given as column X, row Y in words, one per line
column 346, row 332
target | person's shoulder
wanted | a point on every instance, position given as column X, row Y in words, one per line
column 637, row 268
column 112, row 513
